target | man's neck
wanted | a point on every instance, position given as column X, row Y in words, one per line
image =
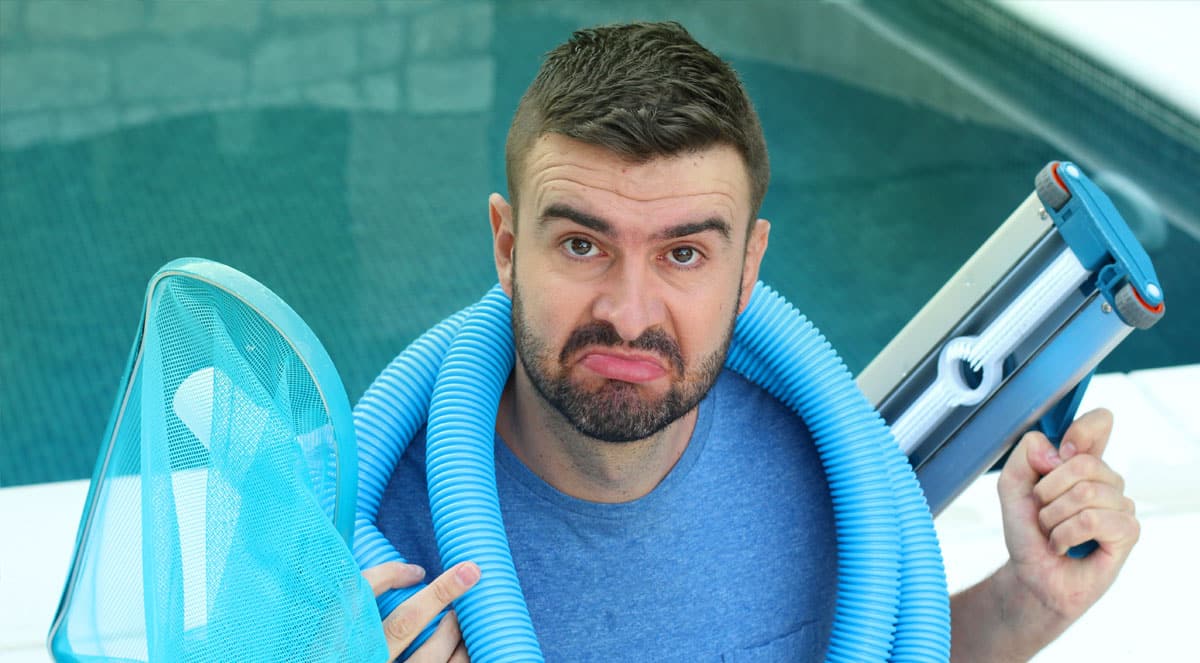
column 578, row 465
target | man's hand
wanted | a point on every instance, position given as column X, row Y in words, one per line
column 1051, row 500
column 410, row 617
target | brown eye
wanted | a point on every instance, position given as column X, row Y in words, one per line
column 580, row 247
column 684, row 255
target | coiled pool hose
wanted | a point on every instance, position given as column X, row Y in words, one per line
column 892, row 602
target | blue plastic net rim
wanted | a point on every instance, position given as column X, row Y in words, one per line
column 292, row 329
column 312, row 354
column 309, row 365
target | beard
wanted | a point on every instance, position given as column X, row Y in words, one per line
column 615, row 411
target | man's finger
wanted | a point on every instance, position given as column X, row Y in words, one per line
column 460, row 654
column 393, row 575
column 1114, row 530
column 1088, row 434
column 441, row 645
column 1033, row 458
column 1081, row 468
column 1081, row 496
column 409, row 618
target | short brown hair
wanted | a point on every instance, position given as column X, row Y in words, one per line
column 641, row 90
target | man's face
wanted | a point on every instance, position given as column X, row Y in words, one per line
column 626, row 280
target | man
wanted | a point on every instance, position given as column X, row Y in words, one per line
column 659, row 508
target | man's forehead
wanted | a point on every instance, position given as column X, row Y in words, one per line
column 559, row 166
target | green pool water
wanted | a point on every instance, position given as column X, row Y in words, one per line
column 342, row 153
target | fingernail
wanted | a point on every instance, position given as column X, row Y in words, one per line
column 1067, row 450
column 467, row 574
column 416, row 570
column 1053, row 457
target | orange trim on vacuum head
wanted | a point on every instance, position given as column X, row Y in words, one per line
column 1054, row 171
column 1152, row 309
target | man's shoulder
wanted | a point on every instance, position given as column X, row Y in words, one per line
column 733, row 388
column 737, row 399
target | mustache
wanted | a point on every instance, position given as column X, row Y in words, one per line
column 604, row 334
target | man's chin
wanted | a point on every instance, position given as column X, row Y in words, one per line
column 618, row 395
column 616, row 435
column 618, row 413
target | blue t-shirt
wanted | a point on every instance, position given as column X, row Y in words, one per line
column 731, row 557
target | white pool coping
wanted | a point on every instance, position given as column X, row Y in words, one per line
column 1147, row 615
column 1150, row 41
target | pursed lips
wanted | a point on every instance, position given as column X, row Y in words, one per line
column 626, row 367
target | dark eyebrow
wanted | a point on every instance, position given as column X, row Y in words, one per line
column 560, row 211
column 695, row 228
column 595, row 223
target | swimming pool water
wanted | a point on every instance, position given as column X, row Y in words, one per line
column 342, row 155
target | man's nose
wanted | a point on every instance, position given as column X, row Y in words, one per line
column 630, row 300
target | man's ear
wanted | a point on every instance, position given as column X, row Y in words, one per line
column 500, row 213
column 755, row 248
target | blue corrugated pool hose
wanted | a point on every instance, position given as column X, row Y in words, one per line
column 892, row 602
